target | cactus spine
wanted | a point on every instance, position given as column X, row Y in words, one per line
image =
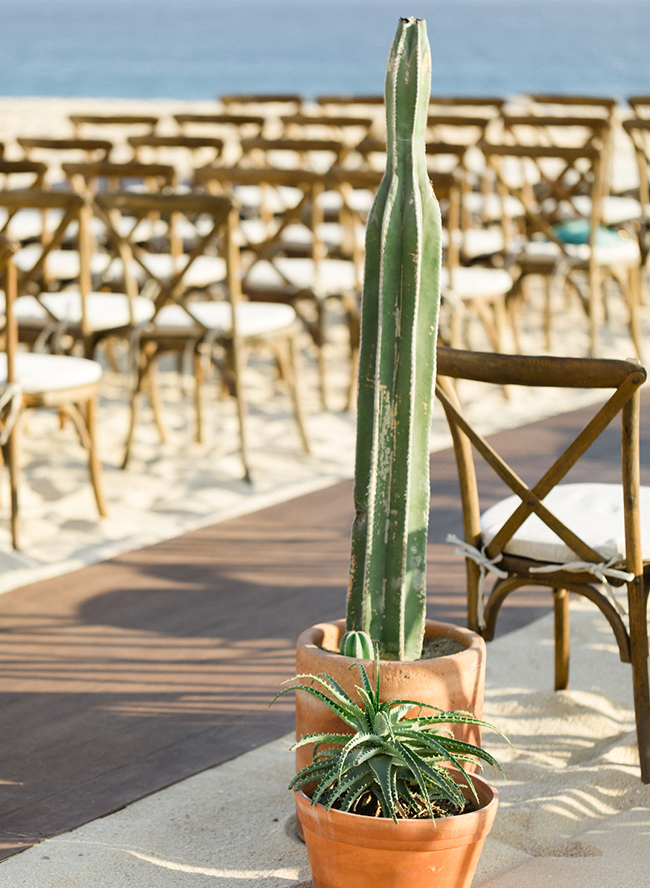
column 399, row 320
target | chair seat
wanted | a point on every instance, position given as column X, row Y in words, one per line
column 254, row 318
column 593, row 511
column 623, row 252
column 334, row 275
column 50, row 373
column 475, row 282
column 62, row 265
column 614, row 209
column 204, row 271
column 105, row 311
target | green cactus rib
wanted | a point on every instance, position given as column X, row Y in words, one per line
column 399, row 320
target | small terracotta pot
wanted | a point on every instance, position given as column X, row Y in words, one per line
column 456, row 681
column 373, row 852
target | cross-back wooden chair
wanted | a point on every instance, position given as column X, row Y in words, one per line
column 585, row 538
column 285, row 250
column 82, row 123
column 563, row 238
column 29, row 381
column 57, row 306
column 639, row 132
column 206, row 318
column 24, row 174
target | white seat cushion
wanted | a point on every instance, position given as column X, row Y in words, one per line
column 254, row 318
column 62, row 265
column 593, row 511
column 475, row 282
column 622, row 252
column 334, row 275
column 204, row 271
column 50, row 373
column 105, row 311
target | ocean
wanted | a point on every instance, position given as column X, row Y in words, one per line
column 198, row 49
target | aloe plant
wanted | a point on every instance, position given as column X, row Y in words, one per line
column 391, row 766
column 399, row 321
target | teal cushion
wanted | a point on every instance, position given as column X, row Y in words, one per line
column 577, row 231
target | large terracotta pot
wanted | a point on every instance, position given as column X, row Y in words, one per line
column 373, row 852
column 455, row 681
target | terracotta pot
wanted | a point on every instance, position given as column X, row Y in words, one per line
column 452, row 682
column 374, row 852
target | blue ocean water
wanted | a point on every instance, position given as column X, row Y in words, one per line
column 197, row 49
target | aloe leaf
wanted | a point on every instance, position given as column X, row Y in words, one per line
column 348, row 716
column 382, row 766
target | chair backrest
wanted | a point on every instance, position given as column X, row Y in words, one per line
column 248, row 124
column 71, row 211
column 347, row 128
column 316, row 155
column 486, row 106
column 550, row 184
column 640, row 105
column 639, row 132
column 84, row 122
column 94, row 149
column 107, row 176
column 623, row 377
column 177, row 150
column 30, row 173
column 551, row 103
column 215, row 221
column 8, row 248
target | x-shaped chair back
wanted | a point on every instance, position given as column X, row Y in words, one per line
column 590, row 568
column 108, row 176
column 31, row 173
column 314, row 155
column 219, row 218
column 547, row 180
column 71, row 210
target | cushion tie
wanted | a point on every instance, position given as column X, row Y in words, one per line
column 601, row 570
column 486, row 565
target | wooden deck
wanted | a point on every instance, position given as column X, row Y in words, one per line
column 123, row 677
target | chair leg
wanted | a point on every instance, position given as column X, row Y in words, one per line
column 562, row 638
column 198, row 395
column 237, row 363
column 287, row 359
column 637, row 597
column 93, row 460
column 11, row 450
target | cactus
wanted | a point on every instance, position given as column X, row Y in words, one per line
column 358, row 645
column 399, row 319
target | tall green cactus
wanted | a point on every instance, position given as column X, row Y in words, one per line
column 399, row 320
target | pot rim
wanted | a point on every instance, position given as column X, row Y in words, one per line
column 475, row 778
column 474, row 642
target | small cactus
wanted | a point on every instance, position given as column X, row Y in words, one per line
column 399, row 321
column 358, row 645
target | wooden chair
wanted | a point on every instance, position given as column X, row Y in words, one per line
column 69, row 385
column 639, row 132
column 286, row 255
column 569, row 537
column 346, row 128
column 558, row 103
column 185, row 317
column 24, row 174
column 563, row 238
column 49, row 149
